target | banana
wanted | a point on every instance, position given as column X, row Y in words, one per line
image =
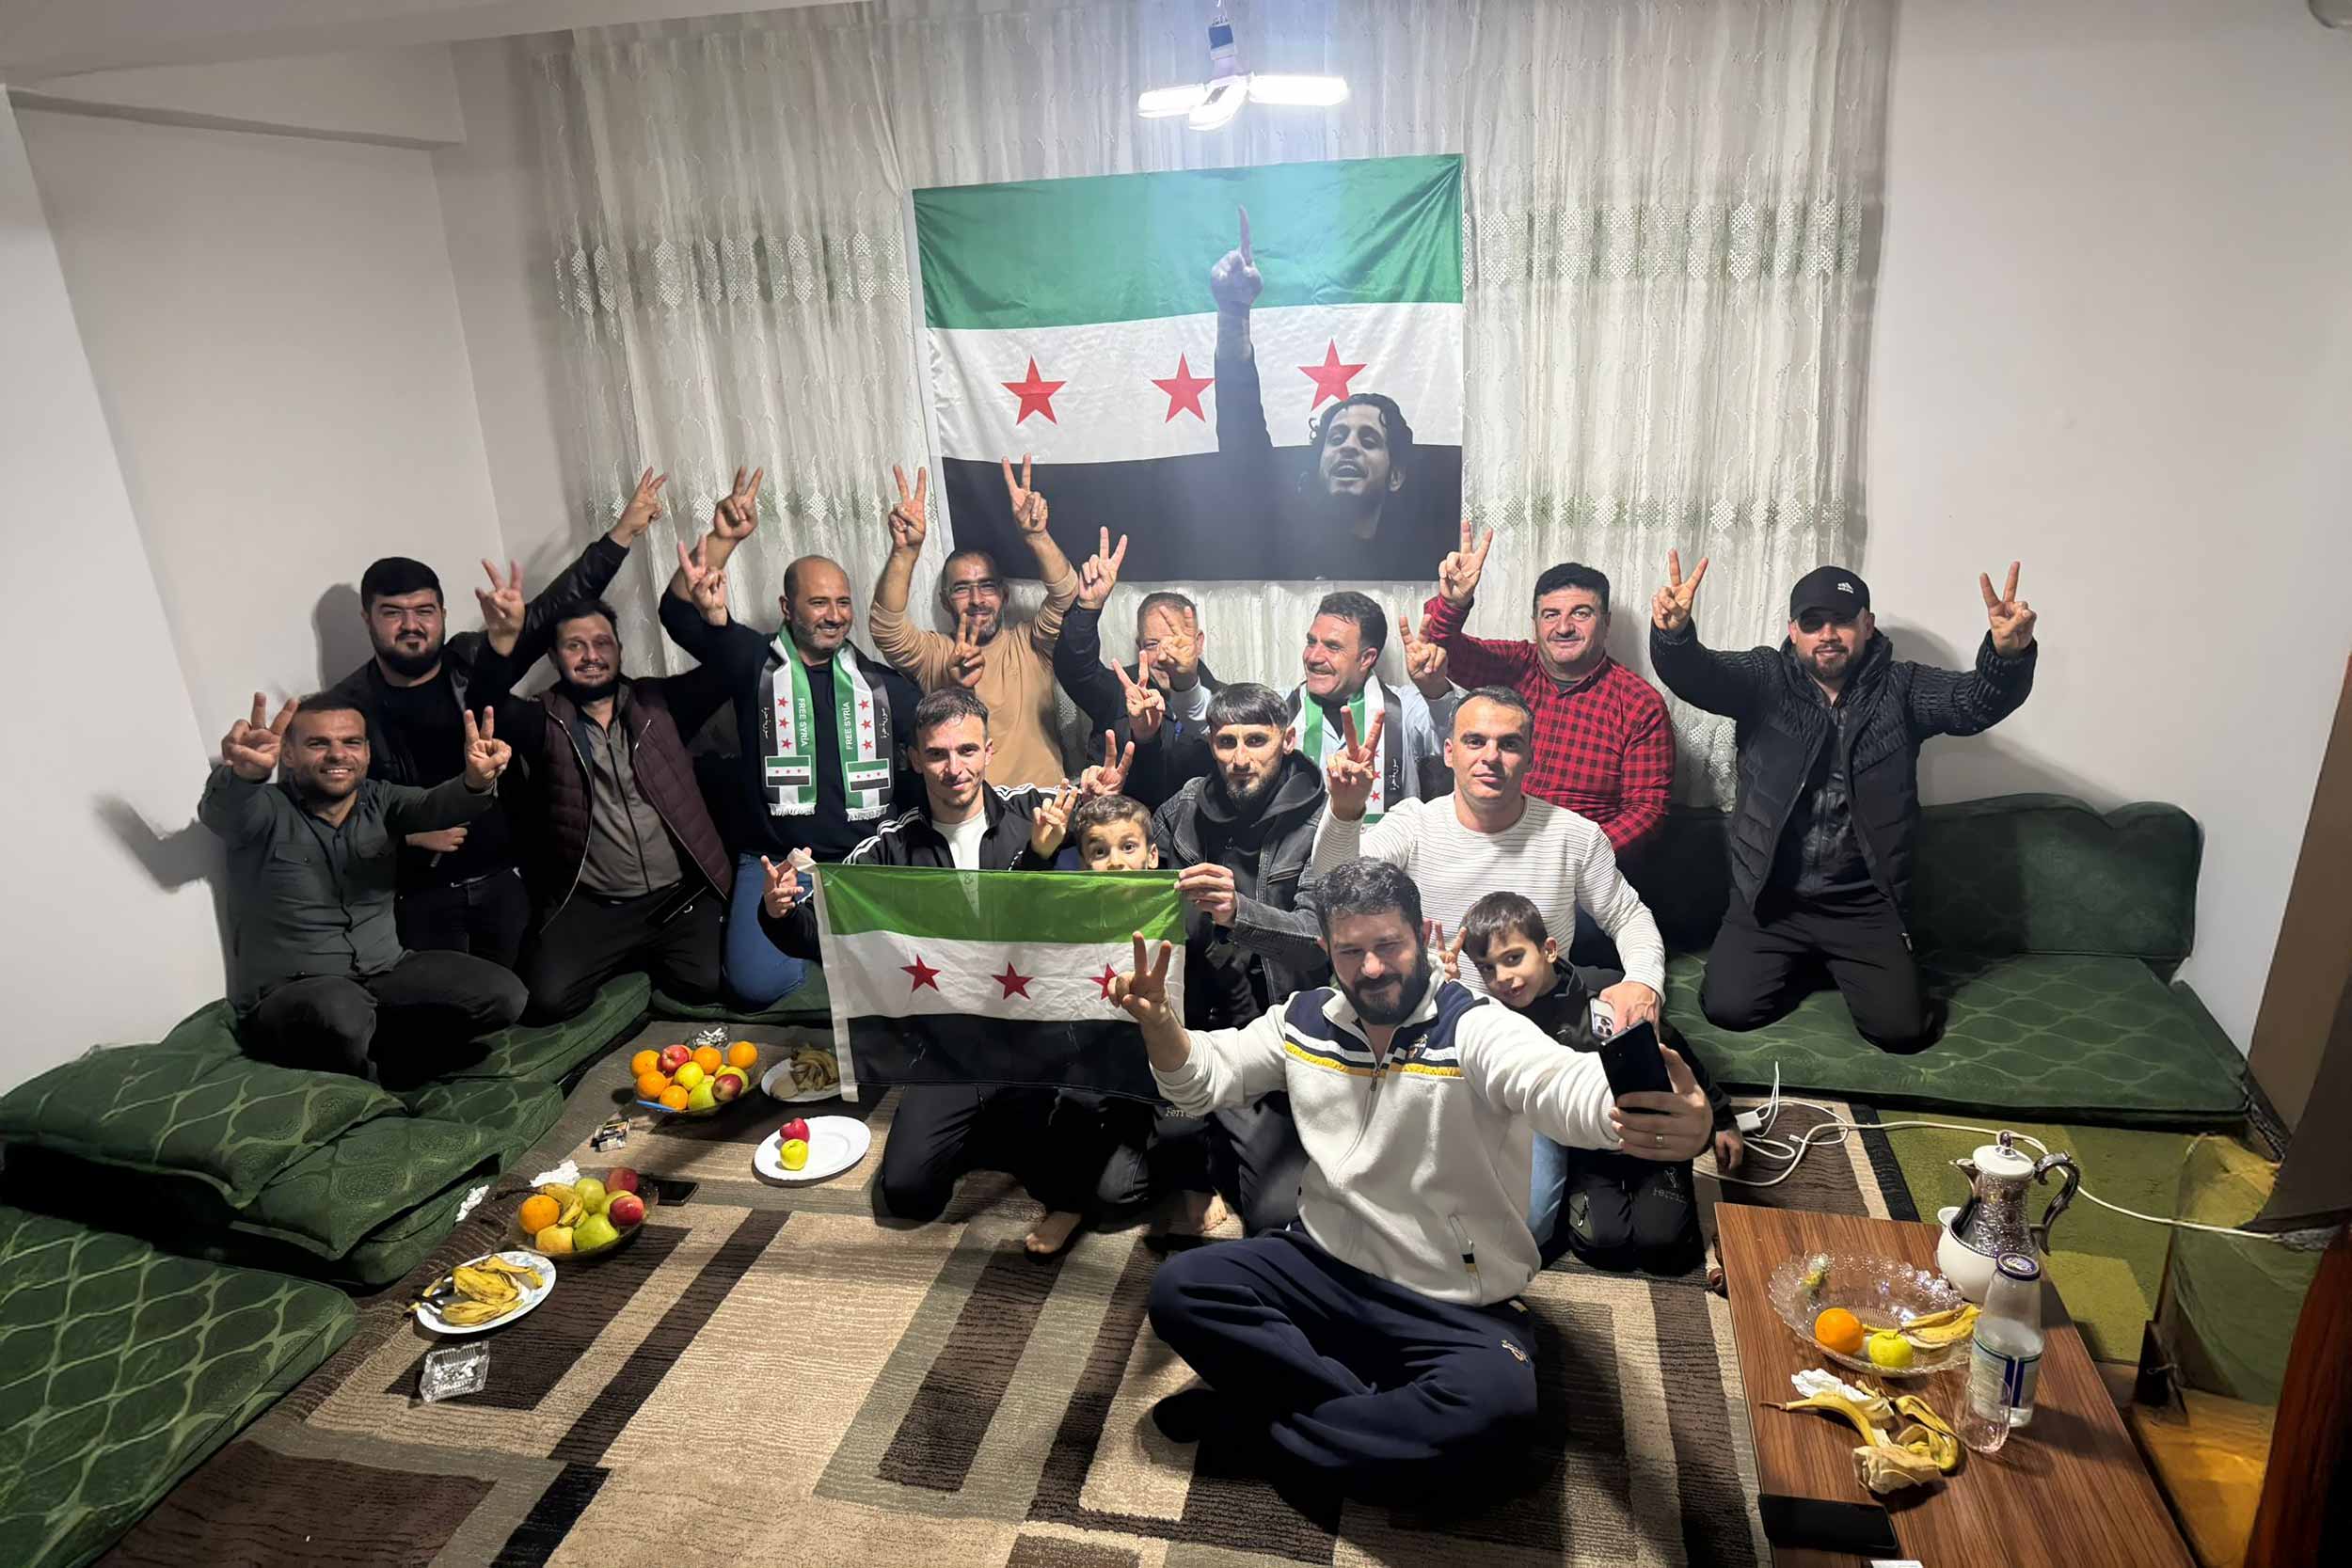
column 565, row 1193
column 1928, row 1435
column 1938, row 1329
column 473, row 1314
column 529, row 1276
column 487, row 1285
column 1880, row 1465
column 572, row 1211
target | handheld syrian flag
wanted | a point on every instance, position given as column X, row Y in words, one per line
column 1072, row 320
column 991, row 976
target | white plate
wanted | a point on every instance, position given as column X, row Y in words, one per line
column 777, row 1082
column 531, row 1298
column 835, row 1144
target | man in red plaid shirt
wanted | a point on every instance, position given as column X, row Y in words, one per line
column 1603, row 748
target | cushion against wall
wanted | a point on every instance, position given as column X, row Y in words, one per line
column 2048, row 874
column 812, row 1000
column 545, row 1053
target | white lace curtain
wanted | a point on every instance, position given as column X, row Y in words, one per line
column 1668, row 211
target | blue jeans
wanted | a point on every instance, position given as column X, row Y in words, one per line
column 757, row 972
column 1547, row 1180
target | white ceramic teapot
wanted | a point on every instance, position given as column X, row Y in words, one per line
column 1993, row 1221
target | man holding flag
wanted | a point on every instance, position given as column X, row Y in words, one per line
column 1343, row 644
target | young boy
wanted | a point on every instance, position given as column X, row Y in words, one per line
column 1615, row 1212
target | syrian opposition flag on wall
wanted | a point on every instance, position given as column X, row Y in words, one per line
column 991, row 976
column 1070, row 320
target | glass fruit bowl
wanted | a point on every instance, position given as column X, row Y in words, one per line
column 1880, row 1292
column 569, row 1247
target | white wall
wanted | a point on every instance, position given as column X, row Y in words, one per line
column 105, row 931
column 388, row 95
column 2114, row 340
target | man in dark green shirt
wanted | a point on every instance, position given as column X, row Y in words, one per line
column 317, row 971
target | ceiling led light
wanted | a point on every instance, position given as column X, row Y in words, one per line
column 1206, row 106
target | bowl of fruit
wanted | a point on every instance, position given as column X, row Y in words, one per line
column 1874, row 1314
column 587, row 1217
column 696, row 1078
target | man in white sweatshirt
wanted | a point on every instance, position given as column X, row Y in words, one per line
column 1376, row 1341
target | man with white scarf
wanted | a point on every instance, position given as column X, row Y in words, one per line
column 1343, row 644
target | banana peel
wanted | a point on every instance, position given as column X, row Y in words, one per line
column 1923, row 1450
column 1938, row 1329
column 1928, row 1433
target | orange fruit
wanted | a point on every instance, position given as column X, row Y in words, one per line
column 539, row 1212
column 644, row 1062
column 675, row 1097
column 743, row 1054
column 650, row 1084
column 710, row 1058
column 1839, row 1330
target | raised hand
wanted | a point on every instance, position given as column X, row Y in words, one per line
column 644, row 508
column 1354, row 768
column 783, row 889
column 1100, row 573
column 1666, row 1125
column 737, row 512
column 1028, row 507
column 705, row 585
column 1459, row 571
column 252, row 747
column 964, row 660
column 487, row 755
column 1670, row 609
column 1233, row 281
column 1210, row 888
column 1630, row 1003
column 1147, row 704
column 1109, row 776
column 1143, row 990
column 909, row 520
column 1450, row 956
column 1051, row 824
column 2011, row 617
column 1425, row 662
column 502, row 606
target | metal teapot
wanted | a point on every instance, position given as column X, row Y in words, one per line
column 1994, row 1220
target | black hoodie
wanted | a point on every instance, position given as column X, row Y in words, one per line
column 1271, row 949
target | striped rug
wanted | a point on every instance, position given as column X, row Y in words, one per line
column 767, row 1375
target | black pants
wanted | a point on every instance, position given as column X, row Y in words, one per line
column 1763, row 963
column 673, row 934
column 1619, row 1213
column 486, row 917
column 1394, row 1395
column 1256, row 1160
column 1075, row 1152
column 401, row 1026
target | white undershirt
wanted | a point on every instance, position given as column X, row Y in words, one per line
column 963, row 840
column 1190, row 704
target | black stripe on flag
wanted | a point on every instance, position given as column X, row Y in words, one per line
column 958, row 1048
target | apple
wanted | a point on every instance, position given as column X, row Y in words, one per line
column 625, row 1209
column 690, row 1077
column 620, row 1179
column 675, row 1057
column 701, row 1099
column 593, row 1232
column 794, row 1130
column 726, row 1085
column 591, row 1192
column 555, row 1241
column 794, row 1154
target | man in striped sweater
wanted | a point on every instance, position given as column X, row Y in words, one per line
column 1490, row 834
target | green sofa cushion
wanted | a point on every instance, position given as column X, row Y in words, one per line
column 402, row 1242
column 515, row 1109
column 811, row 1000
column 346, row 1187
column 545, row 1053
column 193, row 1106
column 2047, row 1034
column 121, row 1368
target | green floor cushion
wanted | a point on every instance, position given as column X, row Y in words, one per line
column 2234, row 1303
column 2040, row 1035
column 121, row 1368
column 325, row 1201
column 545, row 1053
column 515, row 1109
column 2048, row 874
column 193, row 1106
column 810, row 999
column 401, row 1243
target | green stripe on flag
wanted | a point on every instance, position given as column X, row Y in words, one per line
column 1002, row 906
column 1138, row 246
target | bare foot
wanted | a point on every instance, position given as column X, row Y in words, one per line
column 1052, row 1233
column 1198, row 1214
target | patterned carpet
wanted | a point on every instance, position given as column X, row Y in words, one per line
column 768, row 1375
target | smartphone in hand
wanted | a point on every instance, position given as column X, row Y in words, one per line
column 1631, row 1060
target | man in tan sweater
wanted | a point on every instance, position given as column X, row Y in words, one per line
column 1012, row 674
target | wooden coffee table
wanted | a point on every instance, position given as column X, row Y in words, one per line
column 2067, row 1491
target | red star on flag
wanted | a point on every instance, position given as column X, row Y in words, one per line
column 1037, row 395
column 924, row 975
column 1015, row 984
column 1183, row 391
column 1105, row 979
column 1330, row 377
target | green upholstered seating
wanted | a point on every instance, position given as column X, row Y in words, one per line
column 810, row 1002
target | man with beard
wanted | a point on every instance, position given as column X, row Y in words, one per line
column 1241, row 838
column 319, row 977
column 820, row 729
column 459, row 890
column 1343, row 644
column 1012, row 674
column 626, row 867
column 1603, row 746
column 1162, row 700
column 1377, row 1343
column 1831, row 723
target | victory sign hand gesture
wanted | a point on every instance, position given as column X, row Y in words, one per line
column 783, row 890
column 251, row 748
column 737, row 512
column 1100, row 574
column 1110, row 775
column 1450, row 955
column 964, row 665
column 1051, row 824
column 705, row 585
column 1147, row 705
column 502, row 606
column 1233, row 281
column 908, row 523
column 644, row 508
column 2011, row 617
column 1028, row 507
column 1425, row 662
column 1143, row 990
column 1354, row 768
column 1459, row 571
column 486, row 756
column 1670, row 610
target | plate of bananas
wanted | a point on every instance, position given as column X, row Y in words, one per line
column 487, row 1292
column 809, row 1071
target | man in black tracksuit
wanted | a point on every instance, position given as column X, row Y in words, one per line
column 1161, row 701
column 1829, row 726
column 1241, row 838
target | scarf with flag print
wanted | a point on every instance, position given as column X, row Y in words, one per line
column 861, row 721
column 1319, row 737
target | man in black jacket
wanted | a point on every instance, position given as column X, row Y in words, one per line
column 1160, row 701
column 1829, row 726
column 459, row 888
column 1241, row 838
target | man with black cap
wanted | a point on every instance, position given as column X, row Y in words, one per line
column 459, row 889
column 1830, row 725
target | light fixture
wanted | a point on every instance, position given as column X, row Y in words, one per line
column 1206, row 106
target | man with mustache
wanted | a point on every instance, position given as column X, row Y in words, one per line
column 626, row 867
column 1376, row 1343
column 460, row 891
column 1343, row 644
column 820, row 725
column 1831, row 723
column 317, row 970
column 1012, row 674
column 1161, row 702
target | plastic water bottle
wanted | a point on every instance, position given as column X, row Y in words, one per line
column 2005, row 1362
